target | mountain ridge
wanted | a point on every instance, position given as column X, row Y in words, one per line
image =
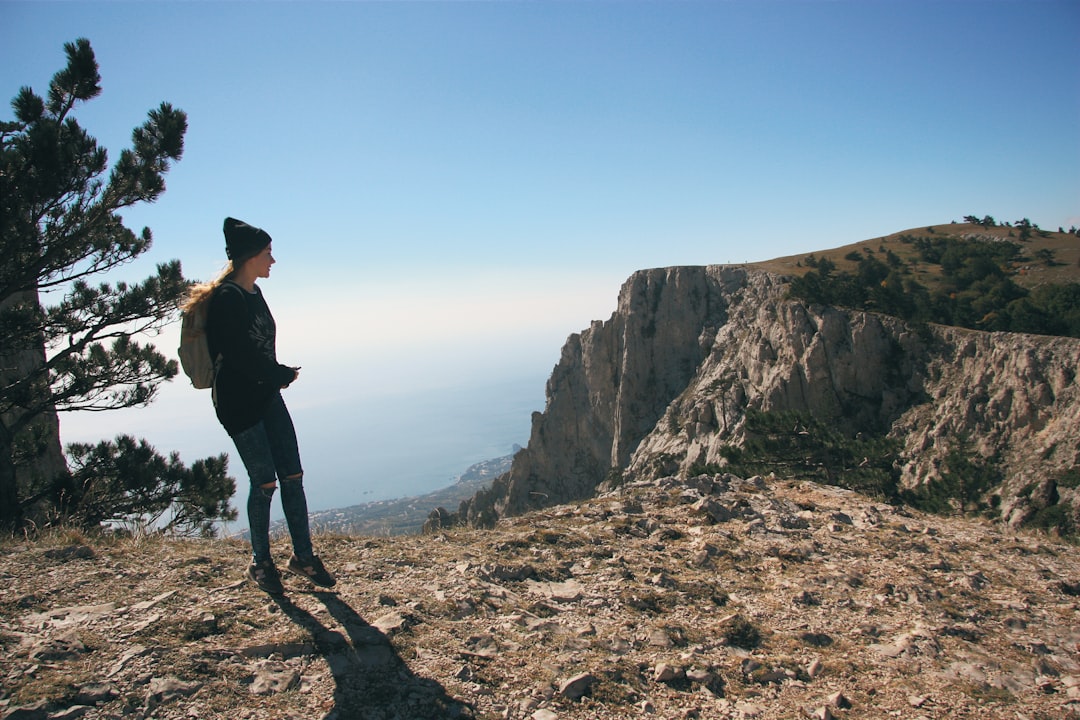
column 664, row 385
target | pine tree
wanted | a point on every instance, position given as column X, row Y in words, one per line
column 59, row 229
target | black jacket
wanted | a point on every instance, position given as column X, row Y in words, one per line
column 241, row 329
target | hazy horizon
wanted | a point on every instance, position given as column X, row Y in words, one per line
column 382, row 448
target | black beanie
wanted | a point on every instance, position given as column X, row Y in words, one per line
column 243, row 241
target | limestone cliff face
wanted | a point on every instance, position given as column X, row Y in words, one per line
column 665, row 383
column 612, row 384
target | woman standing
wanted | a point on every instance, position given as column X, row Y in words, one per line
column 247, row 388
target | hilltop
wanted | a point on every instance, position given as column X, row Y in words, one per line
column 1048, row 258
column 712, row 597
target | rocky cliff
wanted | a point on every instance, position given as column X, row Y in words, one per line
column 666, row 382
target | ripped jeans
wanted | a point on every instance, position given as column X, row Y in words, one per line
column 271, row 454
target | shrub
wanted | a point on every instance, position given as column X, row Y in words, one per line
column 741, row 633
column 975, row 290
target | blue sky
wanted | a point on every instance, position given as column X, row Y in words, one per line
column 455, row 187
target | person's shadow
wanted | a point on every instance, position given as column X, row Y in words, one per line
column 372, row 682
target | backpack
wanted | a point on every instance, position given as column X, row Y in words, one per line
column 194, row 350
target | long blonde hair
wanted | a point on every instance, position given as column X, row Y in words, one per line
column 201, row 292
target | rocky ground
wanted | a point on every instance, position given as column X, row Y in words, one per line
column 713, row 598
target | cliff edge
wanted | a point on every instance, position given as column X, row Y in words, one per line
column 665, row 385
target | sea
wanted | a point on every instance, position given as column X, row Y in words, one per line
column 407, row 444
column 357, row 444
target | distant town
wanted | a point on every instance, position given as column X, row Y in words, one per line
column 405, row 516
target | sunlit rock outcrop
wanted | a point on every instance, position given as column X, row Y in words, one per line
column 665, row 383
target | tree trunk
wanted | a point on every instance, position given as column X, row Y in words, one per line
column 10, row 510
column 31, row 454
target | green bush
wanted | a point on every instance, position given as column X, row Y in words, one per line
column 964, row 485
column 1055, row 518
column 797, row 444
column 1069, row 478
column 741, row 633
column 976, row 290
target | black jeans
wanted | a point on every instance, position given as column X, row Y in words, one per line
column 271, row 454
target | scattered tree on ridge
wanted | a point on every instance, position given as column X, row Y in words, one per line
column 975, row 290
column 800, row 445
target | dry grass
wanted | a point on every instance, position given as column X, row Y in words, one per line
column 1065, row 249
